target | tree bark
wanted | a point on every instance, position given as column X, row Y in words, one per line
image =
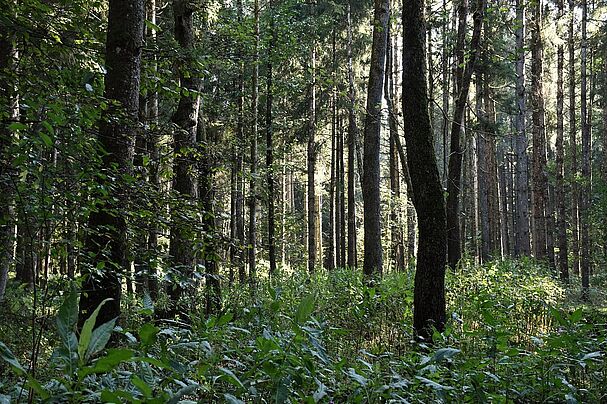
column 352, row 136
column 107, row 238
column 463, row 78
column 429, row 289
column 573, row 174
column 270, row 146
column 253, row 168
column 372, row 265
column 586, row 169
column 311, row 155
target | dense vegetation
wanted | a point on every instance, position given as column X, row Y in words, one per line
column 303, row 201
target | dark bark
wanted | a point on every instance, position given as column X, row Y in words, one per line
column 106, row 241
column 573, row 170
column 429, row 290
column 561, row 209
column 372, row 265
column 253, row 168
column 270, row 146
column 311, row 157
column 463, row 78
column 586, row 169
column 185, row 118
column 352, row 136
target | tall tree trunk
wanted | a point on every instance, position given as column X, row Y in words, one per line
column 352, row 136
column 522, row 242
column 463, row 78
column 270, row 146
column 397, row 247
column 311, row 155
column 561, row 210
column 333, row 225
column 107, row 239
column 586, row 170
column 253, row 169
column 9, row 103
column 539, row 190
column 341, row 207
column 573, row 174
column 483, row 171
column 181, row 249
column 429, row 289
column 372, row 264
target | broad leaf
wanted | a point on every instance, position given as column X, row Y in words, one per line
column 87, row 331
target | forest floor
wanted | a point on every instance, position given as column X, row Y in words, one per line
column 515, row 334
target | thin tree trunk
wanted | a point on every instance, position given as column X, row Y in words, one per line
column 10, row 104
column 429, row 290
column 563, row 261
column 352, row 136
column 253, row 169
column 270, row 146
column 311, row 155
column 539, row 190
column 108, row 231
column 463, row 78
column 586, row 170
column 522, row 242
column 573, row 174
column 372, row 265
column 333, row 225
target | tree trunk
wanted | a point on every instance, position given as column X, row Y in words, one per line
column 311, row 155
column 463, row 78
column 372, row 265
column 539, row 190
column 185, row 185
column 9, row 102
column 333, row 225
column 107, row 239
column 561, row 210
column 586, row 170
column 270, row 146
column 429, row 290
column 573, row 174
column 522, row 242
column 352, row 136
column 253, row 169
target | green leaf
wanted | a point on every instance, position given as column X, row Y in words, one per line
column 433, row 384
column 87, row 331
column 142, row 386
column 105, row 364
column 232, row 399
column 17, row 126
column 147, row 334
column 226, row 318
column 46, row 139
column 576, row 316
column 445, row 353
column 282, row 392
column 305, row 309
column 152, row 26
column 68, row 314
column 7, row 356
column 357, row 377
column 100, row 338
column 231, row 377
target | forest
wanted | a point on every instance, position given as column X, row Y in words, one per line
column 303, row 201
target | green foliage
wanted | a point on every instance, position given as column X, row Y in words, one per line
column 510, row 337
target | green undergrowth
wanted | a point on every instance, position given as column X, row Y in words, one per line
column 515, row 334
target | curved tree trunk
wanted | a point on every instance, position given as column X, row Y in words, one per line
column 429, row 292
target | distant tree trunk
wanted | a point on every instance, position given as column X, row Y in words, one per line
column 573, row 174
column 311, row 155
column 397, row 247
column 10, row 106
column 539, row 190
column 492, row 179
column 270, row 146
column 253, row 169
column 372, row 265
column 561, row 210
column 463, row 78
column 206, row 138
column 341, row 206
column 429, row 292
column 185, row 185
column 482, row 169
column 586, row 170
column 333, row 225
column 352, row 135
column 604, row 167
column 107, row 239
column 522, row 241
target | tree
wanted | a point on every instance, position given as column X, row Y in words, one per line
column 429, row 289
column 372, row 264
column 10, row 112
column 185, row 119
column 573, row 171
column 269, row 144
column 107, row 238
column 522, row 241
column 254, row 133
column 464, row 70
column 311, row 155
column 352, row 136
column 586, row 169
column 563, row 261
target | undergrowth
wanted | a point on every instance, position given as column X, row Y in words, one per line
column 515, row 334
